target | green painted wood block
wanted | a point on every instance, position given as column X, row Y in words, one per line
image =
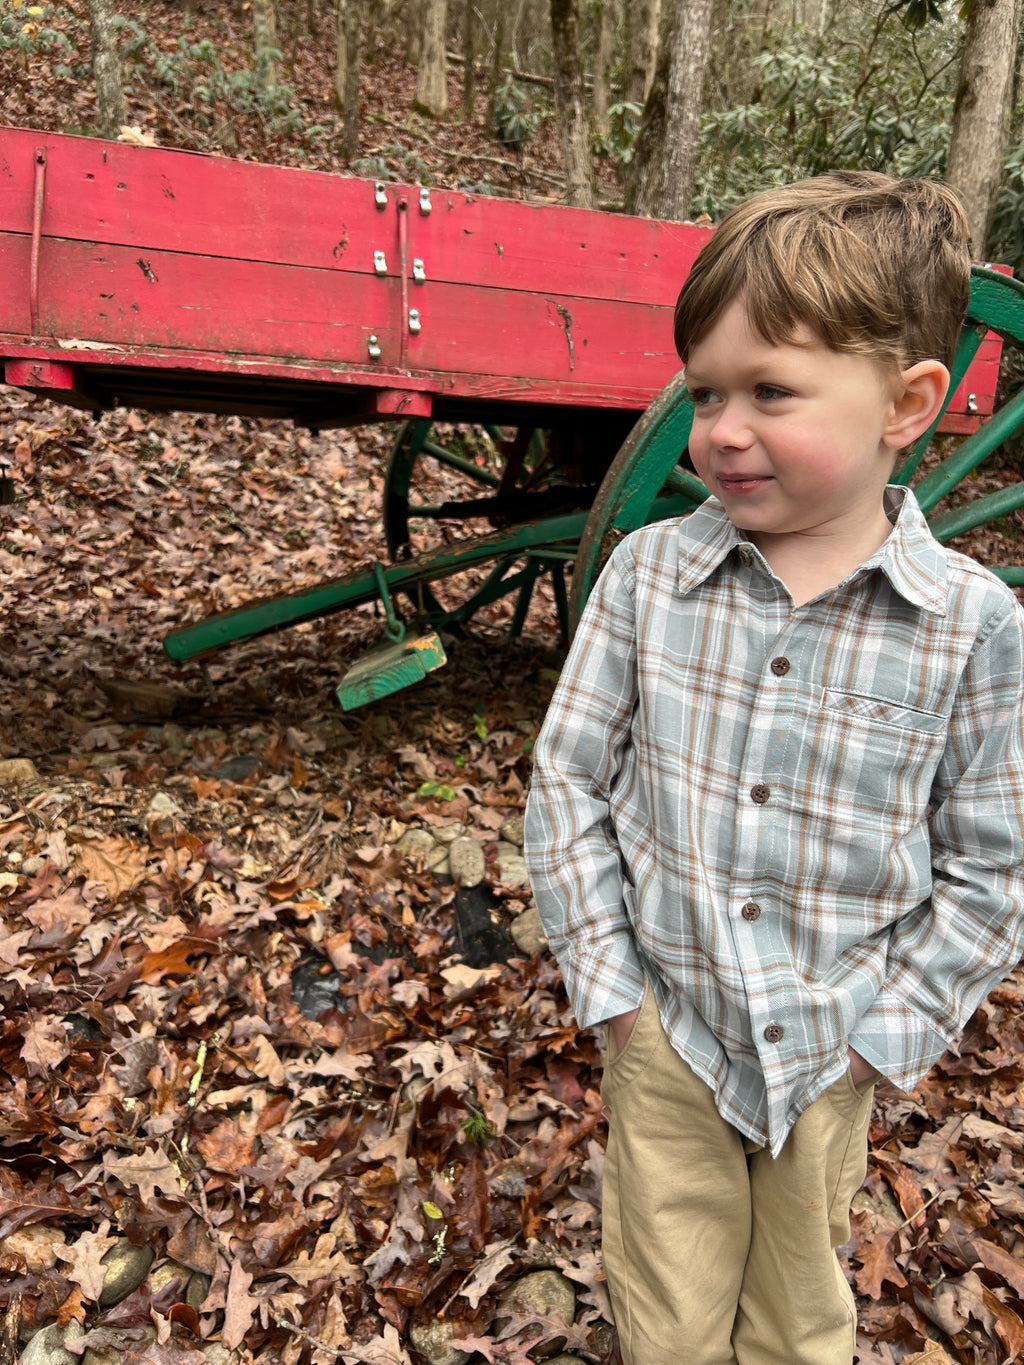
column 390, row 666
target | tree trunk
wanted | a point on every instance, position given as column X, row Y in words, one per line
column 643, row 48
column 603, row 58
column 496, row 63
column 106, row 67
column 469, row 64
column 346, row 73
column 265, row 26
column 666, row 159
column 981, row 116
column 414, row 31
column 432, row 77
column 570, row 104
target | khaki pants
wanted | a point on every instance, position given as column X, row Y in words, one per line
column 716, row 1253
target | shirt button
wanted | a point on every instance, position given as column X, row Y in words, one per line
column 751, row 911
column 759, row 793
column 773, row 1033
column 780, row 667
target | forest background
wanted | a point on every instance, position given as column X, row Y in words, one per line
column 256, row 1053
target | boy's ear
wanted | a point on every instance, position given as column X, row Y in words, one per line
column 919, row 400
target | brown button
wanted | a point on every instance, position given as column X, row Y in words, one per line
column 751, row 911
column 780, row 667
column 759, row 793
column 773, row 1033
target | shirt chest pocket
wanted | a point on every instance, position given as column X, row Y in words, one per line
column 876, row 758
column 870, row 711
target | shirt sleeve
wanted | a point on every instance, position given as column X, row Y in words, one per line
column 947, row 954
column 574, row 860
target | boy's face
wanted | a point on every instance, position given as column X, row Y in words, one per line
column 791, row 437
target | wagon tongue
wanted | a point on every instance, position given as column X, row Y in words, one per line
column 388, row 667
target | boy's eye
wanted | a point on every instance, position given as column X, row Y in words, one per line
column 699, row 397
column 771, row 393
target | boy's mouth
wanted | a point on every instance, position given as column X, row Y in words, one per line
column 748, row 483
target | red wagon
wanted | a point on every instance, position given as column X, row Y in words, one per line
column 163, row 279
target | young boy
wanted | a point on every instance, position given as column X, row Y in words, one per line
column 775, row 831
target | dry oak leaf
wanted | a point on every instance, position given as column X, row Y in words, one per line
column 85, row 1257
column 994, row 1258
column 118, row 863
column 45, row 1045
column 326, row 1261
column 240, row 1307
column 148, row 1171
column 877, row 1257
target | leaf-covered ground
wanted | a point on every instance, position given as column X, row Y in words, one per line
column 238, row 1027
column 196, row 854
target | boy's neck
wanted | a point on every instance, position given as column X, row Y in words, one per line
column 811, row 564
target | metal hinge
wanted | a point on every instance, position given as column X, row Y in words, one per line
column 419, row 274
column 414, row 320
column 380, row 195
column 424, row 201
column 373, row 346
column 380, row 264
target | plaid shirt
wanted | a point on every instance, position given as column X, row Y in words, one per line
column 805, row 825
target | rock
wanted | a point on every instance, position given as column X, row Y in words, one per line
column 563, row 1360
column 217, row 1354
column 47, row 1346
column 433, row 1341
column 528, row 932
column 32, row 865
column 239, row 769
column 173, row 737
column 503, row 849
column 512, row 831
column 438, row 861
column 447, row 834
column 163, row 804
column 198, row 1288
column 542, row 1292
column 512, row 869
column 110, row 1357
column 146, row 698
column 168, row 1271
column 416, row 844
column 14, row 771
column 127, row 1266
column 467, row 862
column 548, row 677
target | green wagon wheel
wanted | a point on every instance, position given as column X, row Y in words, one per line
column 646, row 483
column 449, row 484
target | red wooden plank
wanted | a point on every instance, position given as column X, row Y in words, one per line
column 119, row 296
column 162, row 200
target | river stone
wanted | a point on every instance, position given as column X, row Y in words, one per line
column 14, row 771
column 512, row 831
column 198, row 1288
column 512, row 869
column 112, row 1356
column 438, row 861
column 528, row 932
column 447, row 834
column 164, row 804
column 173, row 737
column 416, row 843
column 47, row 1346
column 168, row 1271
column 218, row 1354
column 466, row 859
column 542, row 1291
column 433, row 1341
column 127, row 1266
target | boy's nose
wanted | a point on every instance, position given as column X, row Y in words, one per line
column 731, row 427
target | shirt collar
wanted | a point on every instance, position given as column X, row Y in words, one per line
column 912, row 559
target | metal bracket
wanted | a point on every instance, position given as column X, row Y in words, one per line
column 380, row 195
column 972, row 404
column 424, row 202
column 419, row 274
column 414, row 320
column 380, row 264
column 373, row 347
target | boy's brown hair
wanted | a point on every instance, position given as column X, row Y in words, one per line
column 872, row 265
